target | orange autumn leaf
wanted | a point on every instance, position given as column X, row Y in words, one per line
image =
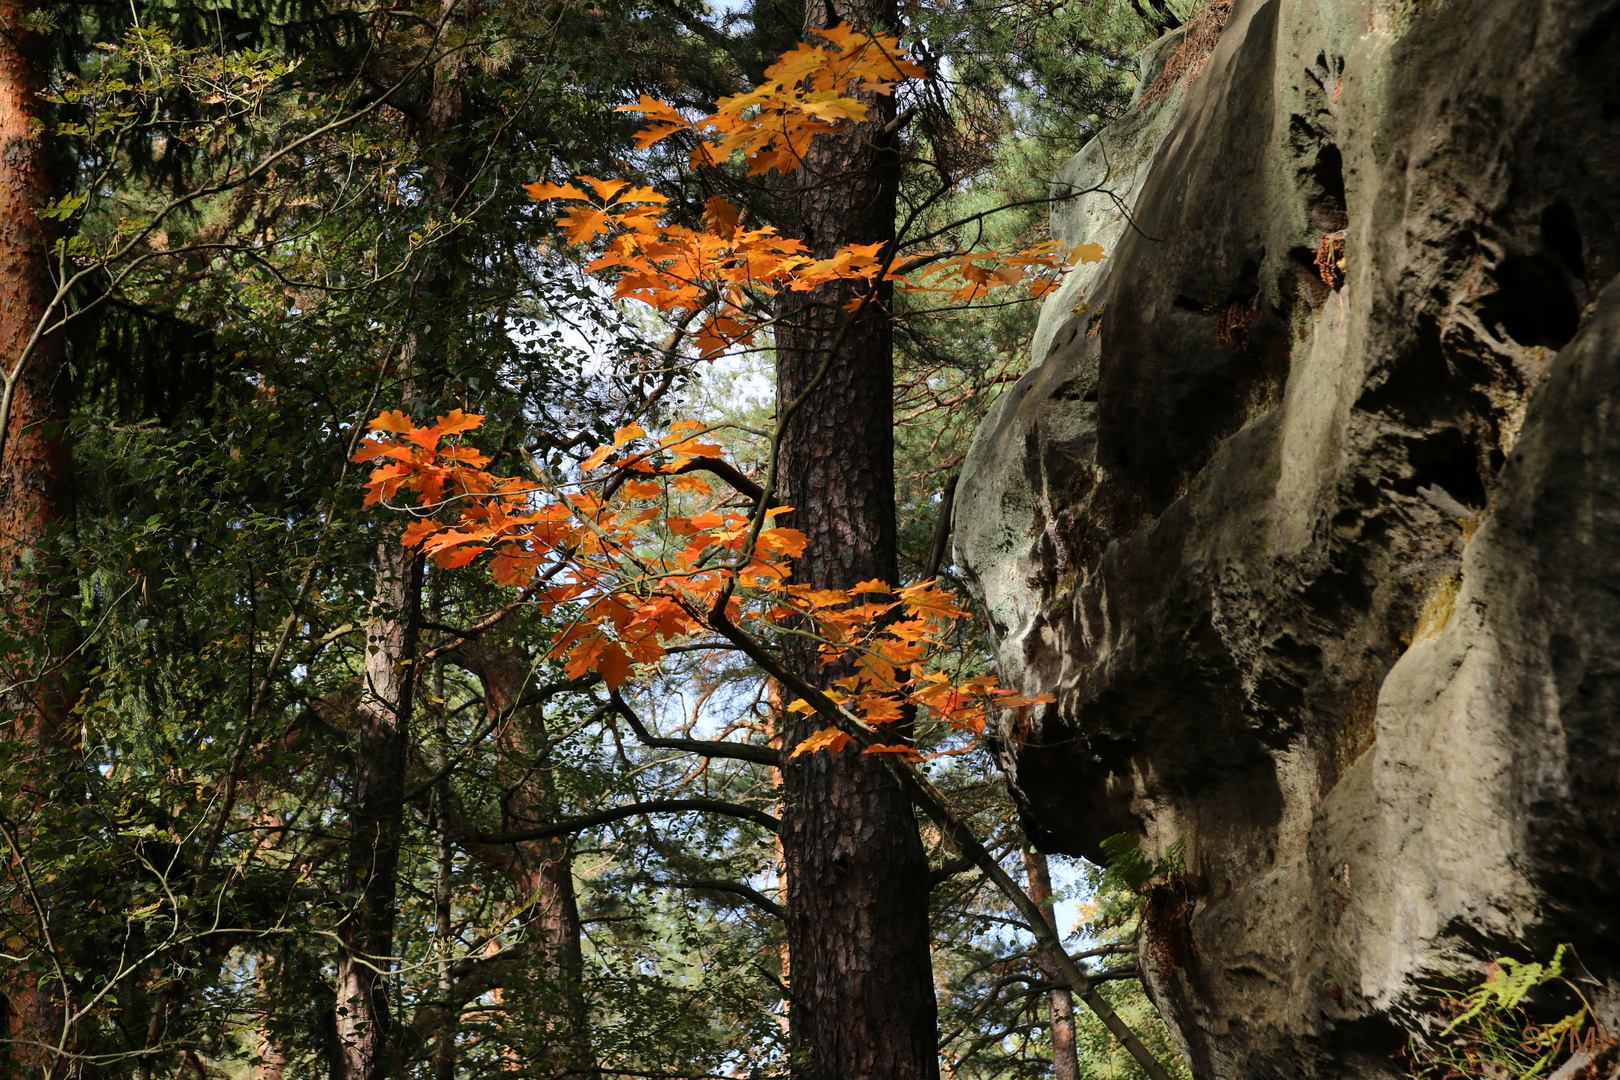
column 620, row 437
column 627, row 588
column 543, row 190
column 1010, row 699
column 392, row 420
column 721, row 217
column 830, row 739
column 583, row 223
column 695, row 484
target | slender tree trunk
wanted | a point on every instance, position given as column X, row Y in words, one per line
column 444, row 1039
column 541, row 871
column 268, row 1045
column 376, row 820
column 364, row 1050
column 1059, row 1003
column 857, row 918
column 35, row 491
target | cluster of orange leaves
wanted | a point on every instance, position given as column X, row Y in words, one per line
column 631, row 575
column 634, row 576
column 713, row 270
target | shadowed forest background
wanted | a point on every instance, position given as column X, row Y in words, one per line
column 282, row 799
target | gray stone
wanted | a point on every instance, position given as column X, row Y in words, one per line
column 1324, row 571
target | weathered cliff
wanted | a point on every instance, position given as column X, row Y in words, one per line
column 1308, row 512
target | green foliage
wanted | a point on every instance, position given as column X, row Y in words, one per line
column 994, row 1010
column 1490, row 1029
column 1128, row 869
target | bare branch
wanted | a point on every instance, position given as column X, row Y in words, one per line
column 759, row 755
column 619, row 813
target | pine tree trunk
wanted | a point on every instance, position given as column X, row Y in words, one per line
column 857, row 921
column 36, row 474
column 1059, row 1003
column 35, row 493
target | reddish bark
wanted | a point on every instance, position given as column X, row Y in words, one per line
column 376, row 818
column 36, row 475
column 35, row 485
column 857, row 920
column 1059, row 1003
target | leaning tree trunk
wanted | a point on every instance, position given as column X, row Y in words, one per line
column 376, row 821
column 35, row 492
column 857, row 920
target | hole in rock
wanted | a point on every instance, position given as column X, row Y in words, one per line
column 1445, row 460
column 1330, row 211
column 1305, row 257
column 1562, row 235
column 1533, row 302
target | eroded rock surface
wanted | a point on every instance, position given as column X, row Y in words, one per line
column 1309, row 515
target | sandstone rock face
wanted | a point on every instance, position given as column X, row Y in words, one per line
column 1308, row 513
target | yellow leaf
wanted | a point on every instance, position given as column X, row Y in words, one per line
column 1086, row 253
column 827, row 106
column 625, row 434
column 654, row 109
column 641, row 195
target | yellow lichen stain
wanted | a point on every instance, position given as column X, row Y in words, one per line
column 1438, row 606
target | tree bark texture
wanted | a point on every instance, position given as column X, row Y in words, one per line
column 857, row 922
column 541, row 871
column 36, row 475
column 1059, row 1003
column 36, row 493
column 376, row 819
column 364, row 1051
